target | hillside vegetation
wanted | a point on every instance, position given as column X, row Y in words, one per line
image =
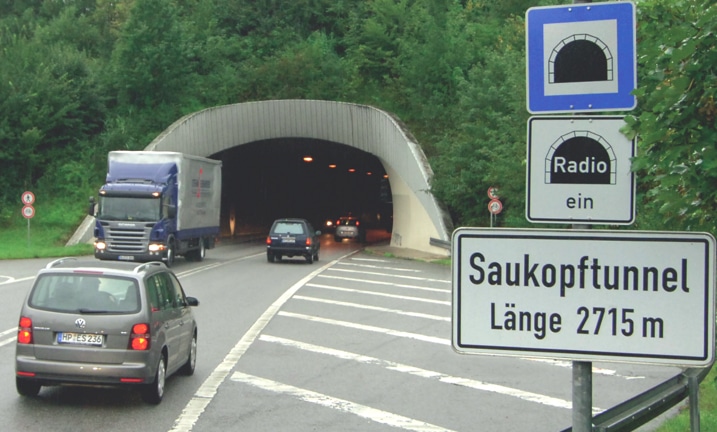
column 81, row 77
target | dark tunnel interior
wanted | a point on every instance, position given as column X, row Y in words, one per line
column 267, row 180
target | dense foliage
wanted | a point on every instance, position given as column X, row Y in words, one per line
column 81, row 77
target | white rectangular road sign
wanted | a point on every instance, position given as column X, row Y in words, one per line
column 582, row 295
column 579, row 171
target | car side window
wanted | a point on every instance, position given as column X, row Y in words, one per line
column 178, row 291
column 161, row 290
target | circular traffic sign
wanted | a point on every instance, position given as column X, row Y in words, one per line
column 28, row 197
column 495, row 206
column 28, row 211
column 493, row 192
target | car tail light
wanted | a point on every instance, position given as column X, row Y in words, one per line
column 308, row 241
column 268, row 240
column 24, row 331
column 358, row 223
column 139, row 339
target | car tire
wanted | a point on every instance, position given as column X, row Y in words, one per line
column 310, row 258
column 27, row 387
column 270, row 257
column 191, row 364
column 153, row 393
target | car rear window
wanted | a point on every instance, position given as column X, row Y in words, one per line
column 349, row 222
column 289, row 228
column 89, row 293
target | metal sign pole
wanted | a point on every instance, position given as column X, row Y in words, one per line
column 582, row 388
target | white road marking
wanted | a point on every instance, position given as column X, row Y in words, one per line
column 379, row 294
column 11, row 279
column 375, row 282
column 364, row 327
column 366, row 412
column 417, row 278
column 206, row 392
column 373, row 308
column 398, row 269
column 424, row 373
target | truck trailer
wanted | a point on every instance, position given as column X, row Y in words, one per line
column 157, row 205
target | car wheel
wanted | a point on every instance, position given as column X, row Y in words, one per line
column 188, row 367
column 270, row 257
column 154, row 392
column 309, row 258
column 27, row 387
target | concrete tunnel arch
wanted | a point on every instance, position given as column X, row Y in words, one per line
column 417, row 216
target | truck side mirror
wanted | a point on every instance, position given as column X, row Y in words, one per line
column 171, row 211
column 91, row 209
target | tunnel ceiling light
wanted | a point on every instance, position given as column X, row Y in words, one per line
column 332, row 166
column 308, row 159
column 368, row 173
column 351, row 170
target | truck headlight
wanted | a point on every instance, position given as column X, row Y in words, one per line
column 100, row 245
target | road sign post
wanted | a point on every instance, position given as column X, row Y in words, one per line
column 28, row 211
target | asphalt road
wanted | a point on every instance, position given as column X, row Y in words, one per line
column 354, row 342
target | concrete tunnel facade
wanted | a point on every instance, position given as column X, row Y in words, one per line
column 418, row 219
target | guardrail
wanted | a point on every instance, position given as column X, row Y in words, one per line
column 440, row 243
column 646, row 406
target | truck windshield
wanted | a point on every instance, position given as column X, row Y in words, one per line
column 125, row 208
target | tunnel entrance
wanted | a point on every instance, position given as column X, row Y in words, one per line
column 270, row 179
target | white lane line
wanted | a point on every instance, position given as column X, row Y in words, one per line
column 375, row 282
column 373, row 308
column 363, row 411
column 11, row 280
column 398, row 269
column 424, row 373
column 416, row 278
column 379, row 294
column 364, row 327
column 203, row 396
column 10, row 340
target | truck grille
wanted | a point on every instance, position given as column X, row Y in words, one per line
column 127, row 240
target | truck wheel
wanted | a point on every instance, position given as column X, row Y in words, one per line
column 202, row 252
column 170, row 253
column 197, row 254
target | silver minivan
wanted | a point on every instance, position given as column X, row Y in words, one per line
column 105, row 323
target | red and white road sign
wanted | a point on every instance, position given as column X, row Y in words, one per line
column 495, row 206
column 28, row 211
column 28, row 197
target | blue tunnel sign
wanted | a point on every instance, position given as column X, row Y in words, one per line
column 581, row 58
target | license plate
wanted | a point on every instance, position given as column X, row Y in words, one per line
column 80, row 338
column 126, row 257
column 288, row 240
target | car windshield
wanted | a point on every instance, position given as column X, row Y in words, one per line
column 348, row 222
column 289, row 228
column 85, row 293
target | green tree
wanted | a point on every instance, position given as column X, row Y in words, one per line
column 676, row 119
column 150, row 62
